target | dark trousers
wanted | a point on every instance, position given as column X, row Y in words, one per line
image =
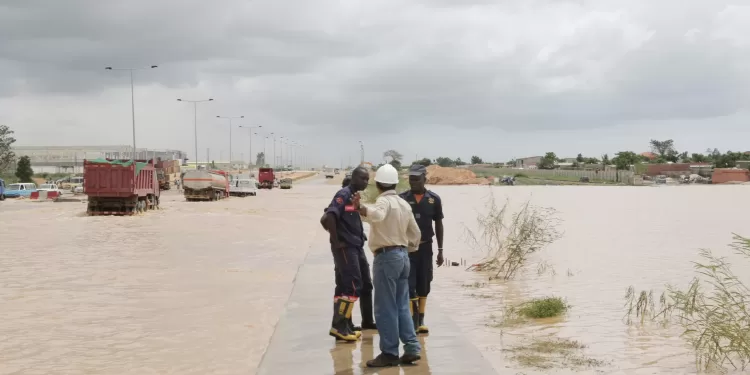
column 420, row 274
column 352, row 273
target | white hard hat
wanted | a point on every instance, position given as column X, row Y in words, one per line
column 387, row 175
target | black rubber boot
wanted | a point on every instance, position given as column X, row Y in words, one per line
column 384, row 360
column 340, row 326
column 414, row 309
column 365, row 308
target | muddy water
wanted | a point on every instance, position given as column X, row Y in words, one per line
column 195, row 288
column 614, row 237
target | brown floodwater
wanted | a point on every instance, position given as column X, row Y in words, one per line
column 613, row 237
column 197, row 288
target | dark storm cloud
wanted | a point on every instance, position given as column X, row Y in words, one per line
column 516, row 65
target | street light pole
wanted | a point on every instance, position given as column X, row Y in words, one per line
column 195, row 123
column 132, row 107
column 281, row 148
column 250, row 132
column 362, row 153
column 230, row 135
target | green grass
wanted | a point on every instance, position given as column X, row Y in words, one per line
column 542, row 308
column 531, row 177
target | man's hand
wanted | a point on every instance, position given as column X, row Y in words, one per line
column 356, row 200
column 440, row 259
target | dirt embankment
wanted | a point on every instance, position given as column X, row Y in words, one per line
column 437, row 175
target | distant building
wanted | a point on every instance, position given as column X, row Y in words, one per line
column 649, row 155
column 69, row 159
column 528, row 162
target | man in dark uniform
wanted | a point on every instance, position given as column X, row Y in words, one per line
column 353, row 280
column 427, row 207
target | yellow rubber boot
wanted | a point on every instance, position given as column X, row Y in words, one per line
column 349, row 309
column 422, row 328
column 340, row 326
column 414, row 310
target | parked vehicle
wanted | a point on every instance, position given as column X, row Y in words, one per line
column 243, row 187
column 120, row 187
column 266, row 178
column 23, row 189
column 285, row 183
column 50, row 187
column 162, row 178
column 508, row 180
column 205, row 185
column 2, row 190
column 69, row 183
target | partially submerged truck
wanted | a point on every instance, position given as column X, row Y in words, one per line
column 329, row 172
column 120, row 187
column 266, row 178
column 205, row 185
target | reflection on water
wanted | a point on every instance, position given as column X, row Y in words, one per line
column 351, row 358
column 613, row 238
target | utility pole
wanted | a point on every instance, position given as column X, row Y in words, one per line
column 132, row 108
column 250, row 133
column 361, row 153
column 230, row 135
column 195, row 122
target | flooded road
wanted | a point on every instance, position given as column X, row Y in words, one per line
column 197, row 288
column 194, row 288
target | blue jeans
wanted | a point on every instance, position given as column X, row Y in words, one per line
column 391, row 281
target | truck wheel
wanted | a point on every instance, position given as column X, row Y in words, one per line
column 2, row 197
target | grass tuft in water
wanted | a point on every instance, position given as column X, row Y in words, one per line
column 542, row 308
column 715, row 313
column 548, row 353
column 537, row 308
column 510, row 240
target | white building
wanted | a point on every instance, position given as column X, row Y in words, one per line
column 69, row 159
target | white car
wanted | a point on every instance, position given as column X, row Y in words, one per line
column 243, row 187
column 49, row 187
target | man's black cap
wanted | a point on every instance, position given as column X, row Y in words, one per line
column 417, row 170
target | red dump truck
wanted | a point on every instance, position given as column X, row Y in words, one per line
column 266, row 178
column 120, row 187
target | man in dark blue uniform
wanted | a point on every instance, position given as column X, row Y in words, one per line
column 353, row 280
column 427, row 207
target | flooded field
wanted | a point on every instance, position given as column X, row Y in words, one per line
column 614, row 237
column 197, row 288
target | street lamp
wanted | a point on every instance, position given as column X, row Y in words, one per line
column 250, row 132
column 362, row 153
column 195, row 123
column 230, row 135
column 281, row 148
column 132, row 105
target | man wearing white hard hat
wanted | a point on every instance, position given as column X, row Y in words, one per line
column 393, row 234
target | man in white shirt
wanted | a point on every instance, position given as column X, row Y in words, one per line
column 393, row 233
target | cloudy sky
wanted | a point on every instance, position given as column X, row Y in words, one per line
column 499, row 79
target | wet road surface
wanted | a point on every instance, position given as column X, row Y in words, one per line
column 301, row 344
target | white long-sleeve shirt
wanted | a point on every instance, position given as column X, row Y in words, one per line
column 392, row 223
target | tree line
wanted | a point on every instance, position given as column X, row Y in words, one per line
column 8, row 159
